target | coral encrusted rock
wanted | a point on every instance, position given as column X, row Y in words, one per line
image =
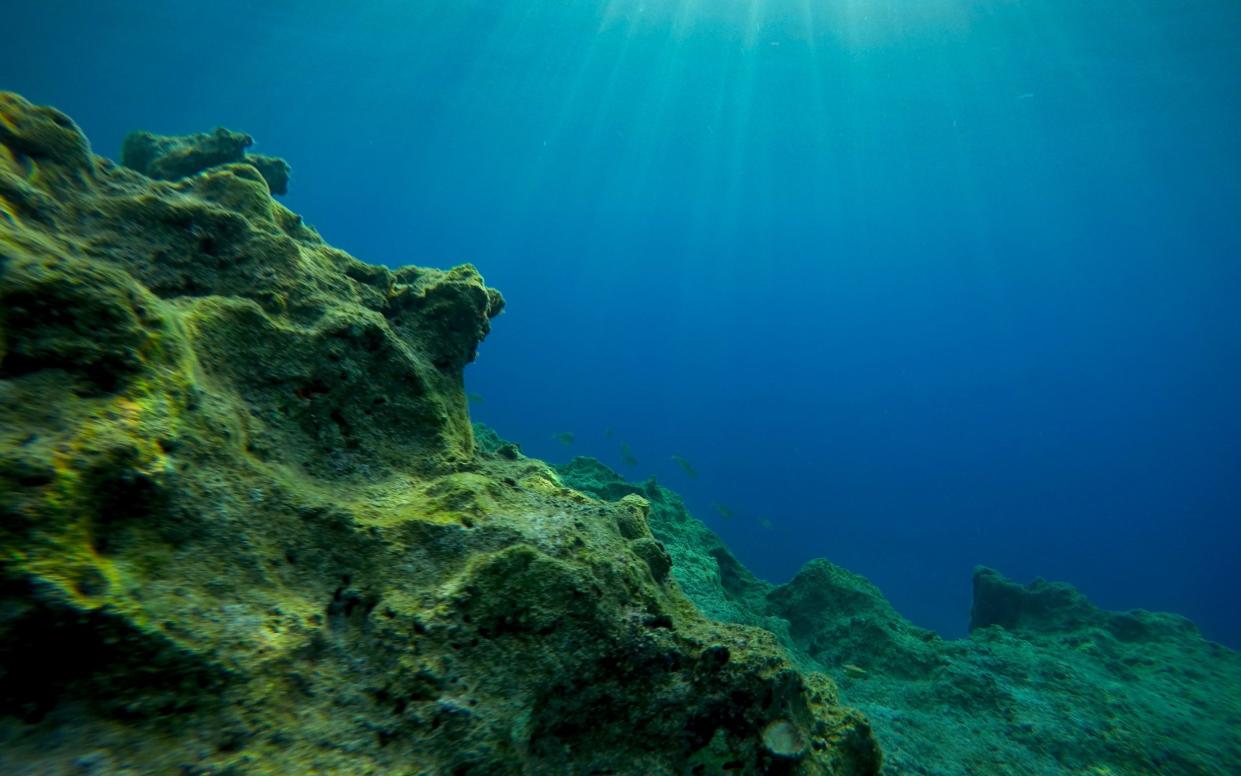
column 245, row 527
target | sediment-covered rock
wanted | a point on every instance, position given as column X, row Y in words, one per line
column 245, row 526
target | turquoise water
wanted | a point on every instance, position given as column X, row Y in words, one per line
column 911, row 285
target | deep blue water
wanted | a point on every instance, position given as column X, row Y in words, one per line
column 923, row 284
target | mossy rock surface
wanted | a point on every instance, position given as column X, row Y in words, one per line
column 246, row 528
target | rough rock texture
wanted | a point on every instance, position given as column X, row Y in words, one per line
column 1046, row 683
column 173, row 157
column 245, row 527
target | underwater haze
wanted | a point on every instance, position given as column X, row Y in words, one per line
column 912, row 286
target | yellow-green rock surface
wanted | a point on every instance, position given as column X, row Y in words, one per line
column 245, row 529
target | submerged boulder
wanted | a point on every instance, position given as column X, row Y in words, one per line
column 245, row 526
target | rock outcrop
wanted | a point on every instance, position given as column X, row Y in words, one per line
column 245, row 526
column 173, row 157
column 1047, row 683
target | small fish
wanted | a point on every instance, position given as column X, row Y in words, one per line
column 724, row 511
column 627, row 455
column 689, row 470
column 474, row 398
column 767, row 524
column 1026, row 96
column 564, row 437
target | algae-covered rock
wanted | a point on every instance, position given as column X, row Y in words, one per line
column 1047, row 683
column 173, row 157
column 840, row 619
column 245, row 527
column 701, row 563
column 1044, row 608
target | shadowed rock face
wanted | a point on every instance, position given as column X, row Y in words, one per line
column 173, row 157
column 245, row 527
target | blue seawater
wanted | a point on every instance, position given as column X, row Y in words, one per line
column 912, row 285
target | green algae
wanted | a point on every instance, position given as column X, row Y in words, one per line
column 246, row 526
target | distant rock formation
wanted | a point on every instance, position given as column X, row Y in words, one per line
column 1049, row 608
column 173, row 157
column 246, row 527
column 1047, row 683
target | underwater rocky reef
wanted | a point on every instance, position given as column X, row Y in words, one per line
column 1046, row 683
column 248, row 528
